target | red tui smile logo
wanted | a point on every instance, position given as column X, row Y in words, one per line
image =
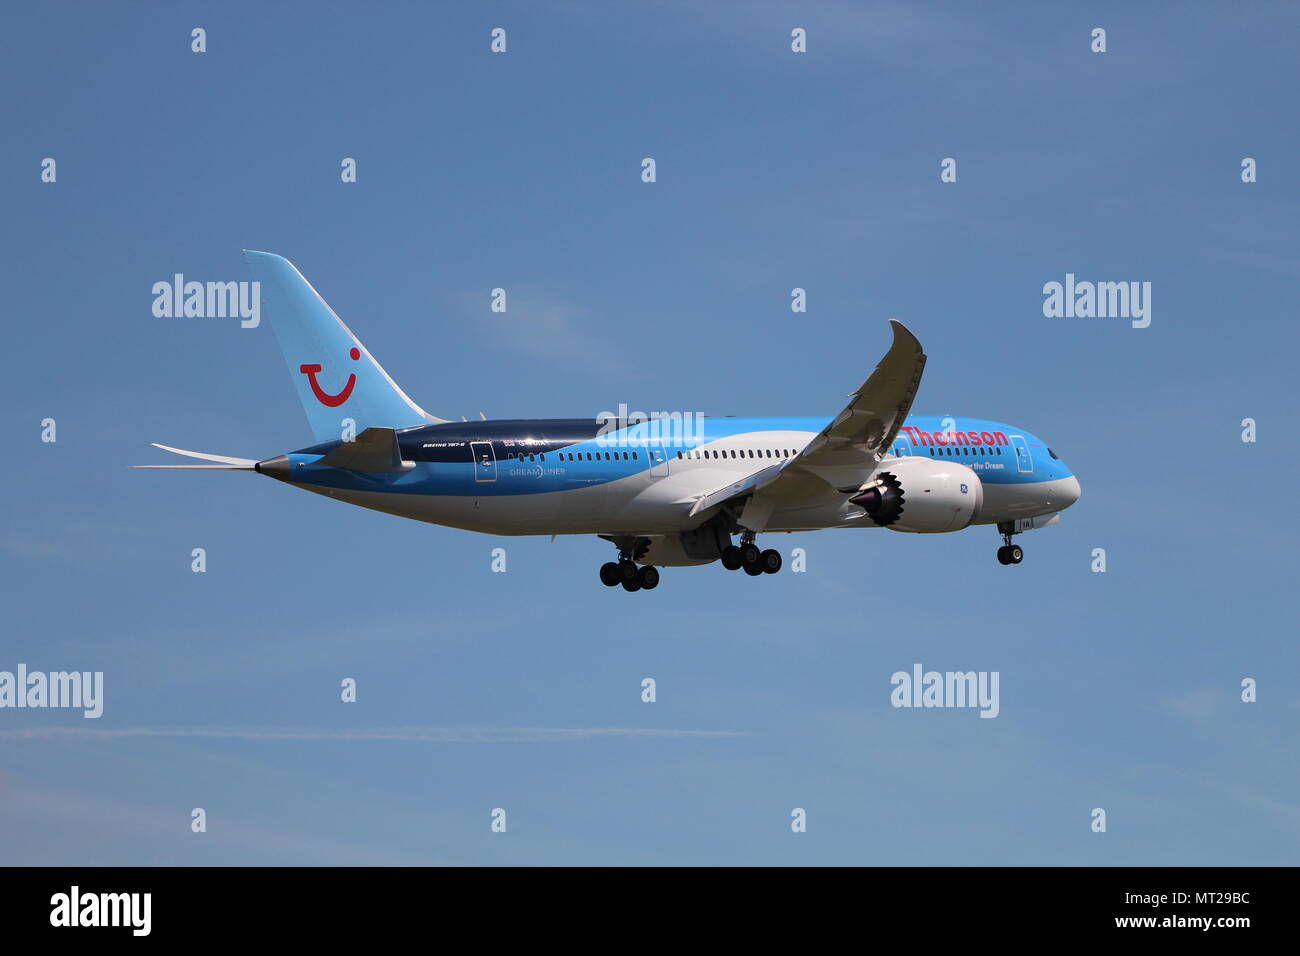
column 324, row 397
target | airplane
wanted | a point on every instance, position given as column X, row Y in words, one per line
column 665, row 491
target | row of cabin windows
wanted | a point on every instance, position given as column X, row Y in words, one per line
column 949, row 451
column 577, row 456
column 615, row 456
column 633, row 456
column 737, row 453
column 957, row 451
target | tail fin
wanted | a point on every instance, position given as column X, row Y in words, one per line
column 336, row 377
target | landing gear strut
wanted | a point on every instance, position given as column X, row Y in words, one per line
column 1009, row 553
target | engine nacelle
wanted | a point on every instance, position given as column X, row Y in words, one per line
column 922, row 495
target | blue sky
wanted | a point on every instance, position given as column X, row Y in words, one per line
column 775, row 170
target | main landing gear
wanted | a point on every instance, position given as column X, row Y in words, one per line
column 1009, row 553
column 750, row 558
column 626, row 573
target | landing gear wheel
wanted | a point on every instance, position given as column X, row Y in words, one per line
column 632, row 585
column 749, row 555
column 731, row 558
column 609, row 574
column 648, row 577
column 1010, row 554
column 753, row 570
column 770, row 561
column 626, row 572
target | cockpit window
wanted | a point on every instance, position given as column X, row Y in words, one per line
column 1053, row 454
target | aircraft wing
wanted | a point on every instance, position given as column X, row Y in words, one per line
column 735, row 489
column 862, row 433
column 846, row 451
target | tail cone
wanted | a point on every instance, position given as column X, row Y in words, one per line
column 277, row 467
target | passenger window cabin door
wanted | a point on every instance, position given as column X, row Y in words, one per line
column 1024, row 460
column 658, row 462
column 485, row 461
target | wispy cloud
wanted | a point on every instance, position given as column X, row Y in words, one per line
column 436, row 735
column 539, row 325
column 1198, row 706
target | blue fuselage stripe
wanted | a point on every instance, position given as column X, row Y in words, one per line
column 524, row 457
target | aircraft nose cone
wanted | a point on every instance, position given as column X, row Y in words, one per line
column 277, row 467
column 1069, row 491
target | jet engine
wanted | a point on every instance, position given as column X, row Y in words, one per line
column 922, row 495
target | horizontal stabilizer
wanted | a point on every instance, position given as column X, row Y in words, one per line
column 374, row 450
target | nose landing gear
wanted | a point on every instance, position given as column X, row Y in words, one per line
column 1009, row 553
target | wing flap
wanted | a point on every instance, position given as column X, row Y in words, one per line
column 736, row 488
